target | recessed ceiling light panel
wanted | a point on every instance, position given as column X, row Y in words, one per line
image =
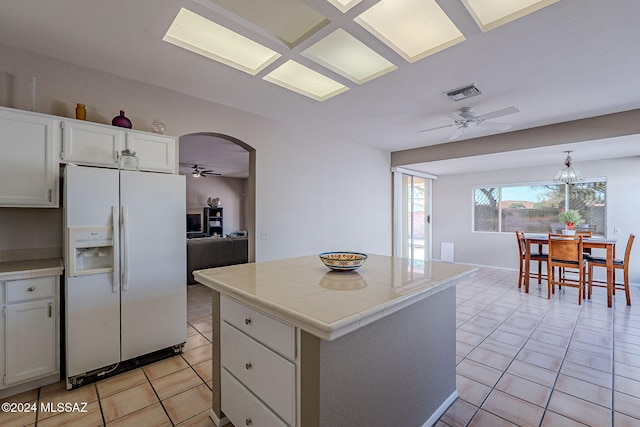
column 197, row 34
column 349, row 57
column 415, row 29
column 303, row 80
column 292, row 21
column 344, row 5
column 491, row 14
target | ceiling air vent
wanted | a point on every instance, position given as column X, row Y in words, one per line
column 463, row 92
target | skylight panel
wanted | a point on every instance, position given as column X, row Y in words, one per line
column 491, row 14
column 349, row 57
column 292, row 21
column 305, row 81
column 199, row 35
column 414, row 29
column 344, row 5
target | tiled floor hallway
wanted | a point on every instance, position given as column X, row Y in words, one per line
column 521, row 360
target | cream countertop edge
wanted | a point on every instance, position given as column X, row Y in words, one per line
column 31, row 269
column 341, row 327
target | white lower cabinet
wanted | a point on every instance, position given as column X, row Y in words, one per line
column 30, row 326
column 242, row 407
column 258, row 367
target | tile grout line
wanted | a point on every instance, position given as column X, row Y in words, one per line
column 546, row 312
column 507, row 291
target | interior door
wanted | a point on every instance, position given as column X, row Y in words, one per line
column 153, row 262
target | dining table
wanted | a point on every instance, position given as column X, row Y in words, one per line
column 609, row 245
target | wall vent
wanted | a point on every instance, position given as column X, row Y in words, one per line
column 463, row 93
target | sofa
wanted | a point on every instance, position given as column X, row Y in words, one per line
column 210, row 252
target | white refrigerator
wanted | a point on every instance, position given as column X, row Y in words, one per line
column 125, row 263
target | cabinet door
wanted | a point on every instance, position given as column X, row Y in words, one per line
column 91, row 144
column 28, row 159
column 155, row 152
column 30, row 330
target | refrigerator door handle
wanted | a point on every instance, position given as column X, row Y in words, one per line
column 115, row 219
column 125, row 248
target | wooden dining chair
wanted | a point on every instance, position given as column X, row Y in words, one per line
column 585, row 234
column 538, row 257
column 622, row 264
column 565, row 253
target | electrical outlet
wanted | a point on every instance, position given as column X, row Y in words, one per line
column 264, row 235
column 616, row 231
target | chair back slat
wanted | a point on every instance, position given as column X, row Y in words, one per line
column 627, row 252
column 522, row 246
column 565, row 248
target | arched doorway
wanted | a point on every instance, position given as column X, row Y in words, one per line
column 226, row 157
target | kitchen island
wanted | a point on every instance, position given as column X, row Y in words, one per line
column 295, row 344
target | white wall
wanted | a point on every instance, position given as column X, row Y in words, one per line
column 313, row 192
column 453, row 209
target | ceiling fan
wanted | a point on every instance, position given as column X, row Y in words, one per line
column 468, row 118
column 198, row 170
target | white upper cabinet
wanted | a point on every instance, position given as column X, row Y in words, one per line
column 29, row 147
column 155, row 152
column 100, row 145
column 91, row 144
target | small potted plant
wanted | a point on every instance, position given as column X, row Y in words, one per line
column 571, row 218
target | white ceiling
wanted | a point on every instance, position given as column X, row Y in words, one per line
column 573, row 59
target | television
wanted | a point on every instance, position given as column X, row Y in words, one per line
column 194, row 223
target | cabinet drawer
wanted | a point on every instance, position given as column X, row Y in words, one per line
column 30, row 289
column 242, row 407
column 273, row 333
column 267, row 374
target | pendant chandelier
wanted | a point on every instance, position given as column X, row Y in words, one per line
column 568, row 174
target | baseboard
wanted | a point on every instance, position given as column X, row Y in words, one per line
column 441, row 409
column 217, row 421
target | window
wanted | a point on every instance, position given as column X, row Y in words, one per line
column 534, row 208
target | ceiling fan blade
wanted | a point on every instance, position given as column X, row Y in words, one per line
column 455, row 116
column 439, row 127
column 457, row 133
column 499, row 113
column 495, row 125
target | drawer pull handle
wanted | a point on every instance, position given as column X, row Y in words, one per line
column 247, row 321
column 248, row 421
column 31, row 289
column 247, row 365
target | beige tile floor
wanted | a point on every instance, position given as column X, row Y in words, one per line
column 522, row 360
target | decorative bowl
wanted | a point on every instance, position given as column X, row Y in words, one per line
column 343, row 261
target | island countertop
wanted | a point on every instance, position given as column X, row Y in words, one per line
column 328, row 304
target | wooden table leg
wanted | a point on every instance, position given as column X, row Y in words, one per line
column 527, row 263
